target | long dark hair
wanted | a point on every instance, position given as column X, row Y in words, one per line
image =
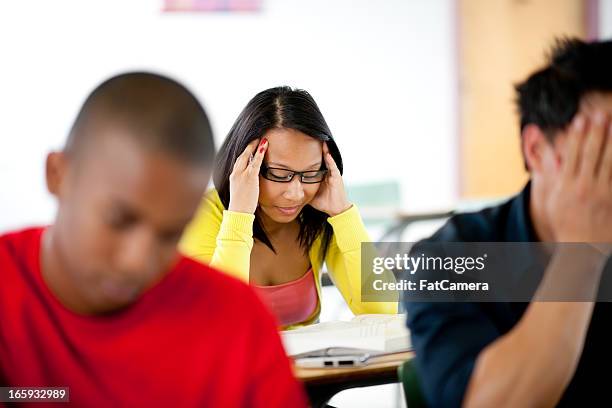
column 280, row 107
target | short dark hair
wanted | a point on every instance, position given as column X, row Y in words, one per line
column 157, row 111
column 551, row 96
column 280, row 107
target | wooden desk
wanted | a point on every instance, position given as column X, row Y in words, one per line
column 323, row 383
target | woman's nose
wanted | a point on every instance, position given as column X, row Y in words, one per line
column 294, row 191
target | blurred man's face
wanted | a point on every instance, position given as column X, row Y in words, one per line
column 122, row 210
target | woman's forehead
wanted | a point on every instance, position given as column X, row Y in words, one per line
column 291, row 147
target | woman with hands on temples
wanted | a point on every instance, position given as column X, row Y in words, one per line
column 279, row 210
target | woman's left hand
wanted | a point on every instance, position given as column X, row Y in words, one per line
column 331, row 197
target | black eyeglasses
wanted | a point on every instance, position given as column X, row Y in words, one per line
column 285, row 176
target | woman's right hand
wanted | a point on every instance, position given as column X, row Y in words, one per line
column 244, row 180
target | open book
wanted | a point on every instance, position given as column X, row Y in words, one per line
column 381, row 332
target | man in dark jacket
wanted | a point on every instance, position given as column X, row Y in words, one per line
column 537, row 353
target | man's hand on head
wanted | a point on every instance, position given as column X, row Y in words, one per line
column 580, row 204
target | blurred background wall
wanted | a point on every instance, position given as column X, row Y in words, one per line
column 383, row 74
column 417, row 92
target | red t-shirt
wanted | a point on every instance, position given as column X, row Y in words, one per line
column 197, row 338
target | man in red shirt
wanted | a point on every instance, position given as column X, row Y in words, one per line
column 101, row 302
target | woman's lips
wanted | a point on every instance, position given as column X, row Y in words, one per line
column 288, row 210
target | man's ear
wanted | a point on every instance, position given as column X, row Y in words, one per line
column 55, row 172
column 534, row 144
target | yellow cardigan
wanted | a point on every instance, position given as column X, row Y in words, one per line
column 224, row 240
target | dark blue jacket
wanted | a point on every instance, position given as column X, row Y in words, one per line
column 448, row 337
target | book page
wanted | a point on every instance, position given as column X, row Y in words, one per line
column 373, row 332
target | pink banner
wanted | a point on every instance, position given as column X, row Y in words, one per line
column 212, row 5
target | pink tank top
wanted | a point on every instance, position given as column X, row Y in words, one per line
column 292, row 302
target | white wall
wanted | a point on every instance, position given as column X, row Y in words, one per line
column 383, row 73
column 605, row 19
